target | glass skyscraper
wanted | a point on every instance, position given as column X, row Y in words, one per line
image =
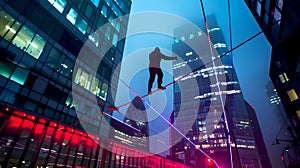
column 279, row 21
column 213, row 90
column 40, row 41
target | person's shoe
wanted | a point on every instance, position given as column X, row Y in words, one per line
column 161, row 88
column 149, row 92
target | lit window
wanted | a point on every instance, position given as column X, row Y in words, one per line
column 120, row 3
column 94, row 38
column 188, row 53
column 77, row 76
column 277, row 16
column 5, row 24
column 191, row 36
column 91, row 83
column 103, row 93
column 23, row 38
column 58, row 4
column 95, row 86
column 19, row 76
column 84, row 80
column 36, row 47
column 298, row 113
column 292, row 95
column 115, row 40
column 12, row 30
column 258, row 8
column 118, row 26
column 6, row 69
column 81, row 25
column 116, row 10
column 219, row 45
column 95, row 2
column 280, row 3
column 283, row 78
column 107, row 33
column 214, row 29
column 72, row 16
column 104, row 11
column 25, row 41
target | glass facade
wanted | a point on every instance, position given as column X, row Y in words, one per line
column 21, row 36
column 282, row 31
column 209, row 131
column 37, row 58
column 39, row 44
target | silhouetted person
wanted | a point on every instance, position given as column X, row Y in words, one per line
column 154, row 68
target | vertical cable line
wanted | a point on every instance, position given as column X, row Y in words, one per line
column 230, row 37
column 218, row 86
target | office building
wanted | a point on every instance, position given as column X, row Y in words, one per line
column 203, row 97
column 55, row 108
column 279, row 21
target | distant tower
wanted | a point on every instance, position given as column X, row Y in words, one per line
column 135, row 133
column 259, row 140
column 136, row 116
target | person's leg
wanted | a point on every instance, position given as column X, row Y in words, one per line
column 159, row 79
column 151, row 79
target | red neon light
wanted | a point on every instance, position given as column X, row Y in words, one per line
column 61, row 127
column 75, row 140
column 50, row 131
column 43, row 121
column 19, row 113
column 89, row 143
column 28, row 124
column 77, row 132
column 39, row 129
column 53, row 124
column 13, row 125
column 70, row 129
column 30, row 117
column 14, row 122
column 58, row 135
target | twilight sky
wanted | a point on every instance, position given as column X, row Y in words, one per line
column 251, row 60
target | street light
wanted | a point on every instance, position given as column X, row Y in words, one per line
column 210, row 163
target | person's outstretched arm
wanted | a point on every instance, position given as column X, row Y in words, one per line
column 168, row 58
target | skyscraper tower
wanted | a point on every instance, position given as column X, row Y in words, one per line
column 216, row 101
column 279, row 21
column 40, row 41
column 276, row 102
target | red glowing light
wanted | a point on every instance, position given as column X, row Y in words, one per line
column 19, row 113
column 6, row 109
